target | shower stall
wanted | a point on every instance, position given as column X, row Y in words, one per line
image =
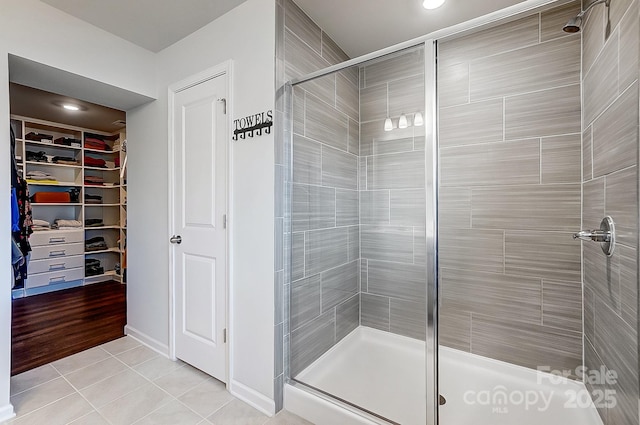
column 429, row 198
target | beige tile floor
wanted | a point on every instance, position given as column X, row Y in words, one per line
column 124, row 383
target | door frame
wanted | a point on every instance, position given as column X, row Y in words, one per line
column 225, row 68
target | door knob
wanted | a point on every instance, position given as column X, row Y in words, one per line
column 176, row 239
column 605, row 235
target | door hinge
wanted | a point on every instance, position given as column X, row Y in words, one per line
column 224, row 105
column 224, row 335
column 224, row 221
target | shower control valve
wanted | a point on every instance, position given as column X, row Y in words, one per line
column 605, row 235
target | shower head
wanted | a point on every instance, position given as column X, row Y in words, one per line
column 574, row 25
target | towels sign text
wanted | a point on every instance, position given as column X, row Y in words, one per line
column 256, row 123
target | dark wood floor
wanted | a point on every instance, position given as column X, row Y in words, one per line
column 51, row 326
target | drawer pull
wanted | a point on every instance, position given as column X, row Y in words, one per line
column 56, row 279
column 57, row 253
column 57, row 240
column 59, row 266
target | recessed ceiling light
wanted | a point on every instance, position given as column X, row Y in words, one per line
column 70, row 107
column 432, row 4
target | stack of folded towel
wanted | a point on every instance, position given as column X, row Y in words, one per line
column 63, row 224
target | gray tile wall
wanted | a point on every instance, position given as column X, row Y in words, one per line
column 322, row 299
column 510, row 192
column 610, row 187
column 392, row 196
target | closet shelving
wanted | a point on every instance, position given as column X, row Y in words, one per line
column 95, row 179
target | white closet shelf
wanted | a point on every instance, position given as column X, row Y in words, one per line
column 59, row 204
column 101, row 186
column 52, row 164
column 104, row 251
column 51, row 145
column 100, row 151
column 101, row 205
column 101, row 227
column 64, row 184
column 101, row 168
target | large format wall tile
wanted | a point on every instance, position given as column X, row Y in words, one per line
column 544, row 113
column 621, row 194
column 314, row 207
column 628, row 258
column 307, row 161
column 601, row 275
column 629, row 30
column 488, row 164
column 407, row 207
column 311, row 341
column 297, row 256
column 375, row 141
column 396, row 171
column 332, row 52
column 551, row 255
column 469, row 124
column 453, row 85
column 406, row 96
column 502, row 38
column 526, row 345
column 552, row 21
column 325, row 249
column 454, row 329
column 374, row 311
column 507, row 297
column 347, row 317
column 538, row 67
column 347, row 207
column 400, row 65
column 301, row 25
column 600, row 84
column 308, row 60
column 549, row 207
column 593, row 203
column 305, row 301
column 473, row 249
column 339, row 169
column 325, row 124
column 587, row 155
column 408, row 318
column 339, row 284
column 374, row 207
column 559, row 159
column 562, row 304
column 347, row 97
column 373, row 103
column 454, row 207
column 397, row 280
column 388, row 243
column 592, row 37
column 615, row 135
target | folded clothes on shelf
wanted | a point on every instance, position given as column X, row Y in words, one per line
column 92, row 199
column 95, row 244
column 93, row 222
column 68, row 141
column 39, row 137
column 94, row 141
column 51, row 198
column 40, row 156
column 60, row 222
column 40, row 225
column 90, row 161
column 94, row 180
column 39, row 175
column 92, row 267
column 65, row 160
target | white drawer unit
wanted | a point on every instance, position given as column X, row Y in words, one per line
column 55, row 237
column 52, row 278
column 56, row 264
column 56, row 251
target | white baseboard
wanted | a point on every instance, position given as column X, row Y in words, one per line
column 252, row 397
column 145, row 339
column 7, row 413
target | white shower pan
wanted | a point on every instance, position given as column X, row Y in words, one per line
column 385, row 373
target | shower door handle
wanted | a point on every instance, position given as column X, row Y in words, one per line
column 606, row 235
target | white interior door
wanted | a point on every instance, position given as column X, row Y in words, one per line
column 200, row 207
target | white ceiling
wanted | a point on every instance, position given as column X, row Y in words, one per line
column 358, row 26
column 152, row 24
column 364, row 26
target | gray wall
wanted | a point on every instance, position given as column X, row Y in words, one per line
column 392, row 196
column 510, row 174
column 324, row 290
column 610, row 187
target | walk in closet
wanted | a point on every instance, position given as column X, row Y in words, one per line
column 77, row 191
